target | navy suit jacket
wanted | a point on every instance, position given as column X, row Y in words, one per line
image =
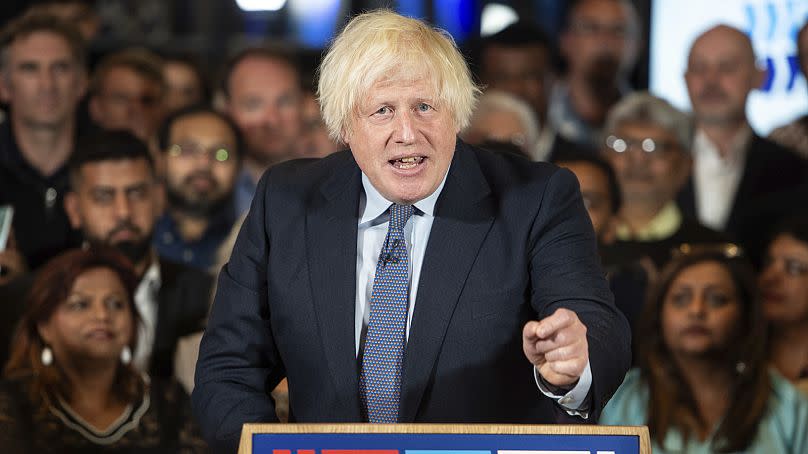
column 511, row 242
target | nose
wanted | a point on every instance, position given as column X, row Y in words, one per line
column 101, row 311
column 47, row 81
column 770, row 273
column 405, row 129
column 270, row 116
column 697, row 307
column 122, row 207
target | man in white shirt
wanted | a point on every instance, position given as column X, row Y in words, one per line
column 732, row 166
column 115, row 199
column 482, row 302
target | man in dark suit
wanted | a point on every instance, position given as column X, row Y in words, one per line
column 732, row 166
column 115, row 199
column 413, row 278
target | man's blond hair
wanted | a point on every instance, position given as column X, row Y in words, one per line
column 382, row 46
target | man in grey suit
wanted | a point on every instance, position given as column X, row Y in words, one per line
column 412, row 278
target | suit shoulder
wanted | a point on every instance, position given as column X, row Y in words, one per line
column 309, row 171
column 775, row 153
column 509, row 169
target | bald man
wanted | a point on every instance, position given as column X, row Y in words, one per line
column 732, row 166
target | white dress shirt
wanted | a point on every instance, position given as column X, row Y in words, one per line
column 716, row 178
column 373, row 224
column 146, row 304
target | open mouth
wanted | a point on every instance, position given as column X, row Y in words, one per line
column 406, row 163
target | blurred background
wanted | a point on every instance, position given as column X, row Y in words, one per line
column 213, row 29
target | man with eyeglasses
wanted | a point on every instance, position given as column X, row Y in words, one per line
column 647, row 143
column 127, row 91
column 599, row 43
column 202, row 158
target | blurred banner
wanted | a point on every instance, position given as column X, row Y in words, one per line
column 771, row 24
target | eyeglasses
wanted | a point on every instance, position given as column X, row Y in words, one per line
column 648, row 145
column 187, row 151
column 792, row 267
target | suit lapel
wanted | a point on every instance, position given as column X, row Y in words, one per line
column 747, row 186
column 687, row 199
column 463, row 216
column 331, row 228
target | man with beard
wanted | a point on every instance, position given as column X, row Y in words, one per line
column 115, row 199
column 202, row 157
column 599, row 44
column 264, row 98
column 732, row 166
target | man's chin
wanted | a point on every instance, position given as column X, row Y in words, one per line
column 135, row 251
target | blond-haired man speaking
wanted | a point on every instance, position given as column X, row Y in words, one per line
column 411, row 278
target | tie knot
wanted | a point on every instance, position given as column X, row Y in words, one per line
column 399, row 215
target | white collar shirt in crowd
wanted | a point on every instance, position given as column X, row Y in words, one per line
column 716, row 178
column 374, row 218
column 146, row 304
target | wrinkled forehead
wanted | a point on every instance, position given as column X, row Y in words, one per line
column 409, row 77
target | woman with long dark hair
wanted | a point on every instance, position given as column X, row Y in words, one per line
column 703, row 382
column 784, row 286
column 70, row 385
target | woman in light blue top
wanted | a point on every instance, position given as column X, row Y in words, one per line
column 703, row 384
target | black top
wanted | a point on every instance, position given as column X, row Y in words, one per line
column 621, row 253
column 769, row 169
column 41, row 226
column 158, row 421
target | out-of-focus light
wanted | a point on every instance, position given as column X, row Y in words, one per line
column 315, row 21
column 496, row 17
column 260, row 5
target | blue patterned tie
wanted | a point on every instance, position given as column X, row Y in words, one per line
column 380, row 380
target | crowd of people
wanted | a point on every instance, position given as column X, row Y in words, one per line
column 130, row 175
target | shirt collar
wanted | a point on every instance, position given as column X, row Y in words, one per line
column 705, row 147
column 376, row 205
column 663, row 226
column 151, row 279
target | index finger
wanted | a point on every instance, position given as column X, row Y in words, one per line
column 560, row 319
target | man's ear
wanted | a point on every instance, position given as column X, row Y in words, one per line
column 760, row 77
column 5, row 89
column 71, row 204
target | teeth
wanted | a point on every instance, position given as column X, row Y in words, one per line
column 408, row 162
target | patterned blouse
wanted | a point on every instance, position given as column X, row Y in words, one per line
column 159, row 421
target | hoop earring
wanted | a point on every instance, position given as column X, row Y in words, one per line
column 740, row 367
column 46, row 356
column 126, row 355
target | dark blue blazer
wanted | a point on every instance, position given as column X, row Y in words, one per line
column 511, row 242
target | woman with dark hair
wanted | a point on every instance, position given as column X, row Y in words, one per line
column 703, row 384
column 784, row 286
column 69, row 385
